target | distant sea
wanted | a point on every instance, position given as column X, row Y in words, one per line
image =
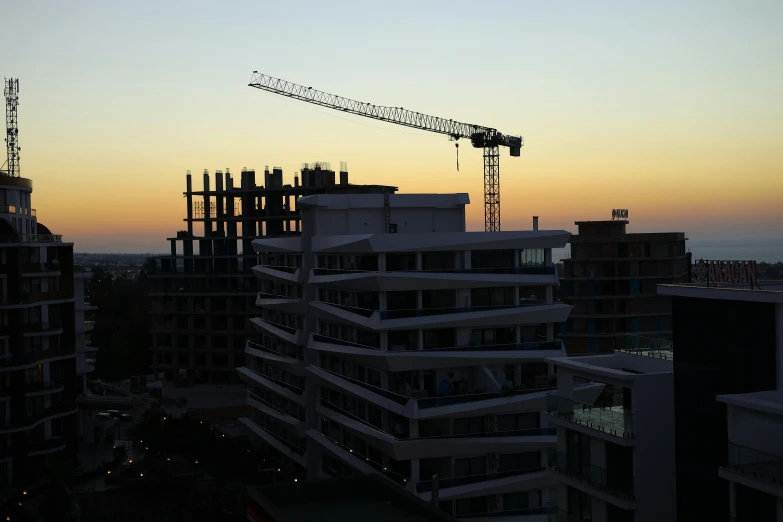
column 760, row 250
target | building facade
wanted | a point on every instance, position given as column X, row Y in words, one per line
column 611, row 278
column 202, row 292
column 419, row 355
column 728, row 375
column 614, row 459
column 38, row 359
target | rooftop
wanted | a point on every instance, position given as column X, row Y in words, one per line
column 766, row 401
column 768, row 291
column 345, row 201
column 617, row 366
column 337, row 500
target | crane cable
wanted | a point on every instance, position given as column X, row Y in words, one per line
column 457, row 146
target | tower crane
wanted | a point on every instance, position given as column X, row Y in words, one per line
column 480, row 136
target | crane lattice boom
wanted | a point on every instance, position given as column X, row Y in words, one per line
column 480, row 136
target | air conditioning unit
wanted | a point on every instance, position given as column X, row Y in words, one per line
column 492, row 503
column 492, row 422
column 494, row 462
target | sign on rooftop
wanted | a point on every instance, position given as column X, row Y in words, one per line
column 731, row 272
column 619, row 213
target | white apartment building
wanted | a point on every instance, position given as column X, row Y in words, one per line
column 392, row 341
column 615, row 459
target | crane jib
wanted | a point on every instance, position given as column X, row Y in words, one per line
column 480, row 136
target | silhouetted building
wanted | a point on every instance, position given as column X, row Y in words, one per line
column 37, row 339
column 611, row 281
column 729, row 352
column 204, row 291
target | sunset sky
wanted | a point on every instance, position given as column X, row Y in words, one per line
column 670, row 109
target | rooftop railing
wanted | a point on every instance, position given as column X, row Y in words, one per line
column 647, row 346
column 608, row 419
column 31, row 238
column 594, row 476
column 756, row 464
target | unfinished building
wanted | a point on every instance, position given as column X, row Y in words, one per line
column 202, row 294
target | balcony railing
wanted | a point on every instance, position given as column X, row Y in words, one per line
column 265, row 402
column 288, row 329
column 543, row 510
column 31, row 238
column 269, row 295
column 530, row 432
column 591, row 475
column 331, row 340
column 292, row 387
column 282, row 268
column 258, row 346
column 380, row 467
column 557, row 344
column 426, row 485
column 57, row 409
column 447, row 400
column 756, row 464
column 33, row 355
column 287, row 443
column 608, row 419
column 648, row 346
column 425, row 312
column 48, row 444
column 33, row 387
column 525, row 269
column 7, row 209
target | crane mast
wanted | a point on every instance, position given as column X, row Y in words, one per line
column 11, row 92
column 480, row 136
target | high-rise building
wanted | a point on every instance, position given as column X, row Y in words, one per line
column 611, row 280
column 203, row 291
column 728, row 379
column 615, row 445
column 392, row 341
column 84, row 324
column 38, row 357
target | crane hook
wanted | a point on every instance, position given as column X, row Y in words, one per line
column 457, row 146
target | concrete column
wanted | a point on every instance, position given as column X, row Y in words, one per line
column 517, row 332
column 548, row 256
column 420, row 344
column 385, row 341
column 382, row 262
column 549, row 295
column 413, row 426
column 516, row 295
column 516, row 259
column 550, row 332
column 418, row 299
column 415, row 471
column 418, row 260
column 467, row 259
column 382, row 301
column 189, row 197
column 733, row 499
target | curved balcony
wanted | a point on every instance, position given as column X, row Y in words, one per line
column 526, row 312
column 285, row 389
column 45, row 269
column 402, row 447
column 613, row 420
column 285, row 447
column 356, row 460
column 42, row 388
column 281, row 303
column 53, row 412
column 277, row 272
column 434, row 407
column 262, row 352
column 281, row 331
column 32, row 357
column 272, row 410
column 45, row 447
column 486, row 483
column 439, row 279
column 433, row 358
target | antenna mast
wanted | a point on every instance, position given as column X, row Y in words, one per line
column 11, row 126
